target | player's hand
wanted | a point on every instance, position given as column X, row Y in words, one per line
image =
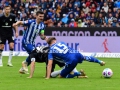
column 16, row 34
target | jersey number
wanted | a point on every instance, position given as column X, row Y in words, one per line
column 61, row 48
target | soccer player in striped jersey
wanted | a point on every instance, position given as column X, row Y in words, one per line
column 70, row 56
column 35, row 27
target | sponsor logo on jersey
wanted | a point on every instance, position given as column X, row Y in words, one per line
column 6, row 24
column 10, row 19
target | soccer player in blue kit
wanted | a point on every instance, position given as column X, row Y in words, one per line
column 35, row 27
column 70, row 56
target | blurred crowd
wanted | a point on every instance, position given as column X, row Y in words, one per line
column 69, row 13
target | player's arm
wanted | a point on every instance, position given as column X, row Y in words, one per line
column 16, row 31
column 49, row 66
column 27, row 22
column 15, row 27
column 32, row 68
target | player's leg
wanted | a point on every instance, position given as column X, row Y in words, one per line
column 28, row 47
column 24, row 68
column 27, row 62
column 11, row 47
column 56, row 73
column 80, row 74
column 1, row 50
column 93, row 59
column 2, row 43
column 65, row 73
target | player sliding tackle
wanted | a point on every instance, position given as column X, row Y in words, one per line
column 70, row 56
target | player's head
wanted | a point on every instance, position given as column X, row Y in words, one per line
column 51, row 40
column 7, row 9
column 39, row 16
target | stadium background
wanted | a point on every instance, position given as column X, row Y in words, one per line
column 77, row 22
column 83, row 35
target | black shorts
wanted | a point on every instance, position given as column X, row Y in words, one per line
column 3, row 39
column 59, row 63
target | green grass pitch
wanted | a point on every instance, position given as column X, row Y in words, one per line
column 10, row 79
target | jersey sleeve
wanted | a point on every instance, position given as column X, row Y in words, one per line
column 27, row 22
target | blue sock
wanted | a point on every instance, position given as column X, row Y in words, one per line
column 73, row 75
column 92, row 59
column 28, row 61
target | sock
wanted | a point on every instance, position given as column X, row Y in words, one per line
column 73, row 75
column 24, row 63
column 28, row 61
column 75, row 70
column 92, row 59
column 55, row 73
column 10, row 55
column 1, row 56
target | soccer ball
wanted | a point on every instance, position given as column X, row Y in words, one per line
column 107, row 73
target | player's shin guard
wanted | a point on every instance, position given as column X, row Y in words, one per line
column 92, row 59
column 73, row 75
column 1, row 57
column 10, row 55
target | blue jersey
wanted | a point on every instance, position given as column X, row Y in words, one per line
column 62, row 51
column 33, row 30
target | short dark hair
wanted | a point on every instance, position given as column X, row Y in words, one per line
column 39, row 12
column 50, row 39
column 7, row 5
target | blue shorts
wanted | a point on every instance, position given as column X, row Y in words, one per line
column 74, row 59
column 28, row 47
column 68, row 68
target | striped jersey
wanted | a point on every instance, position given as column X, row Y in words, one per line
column 64, row 53
column 33, row 30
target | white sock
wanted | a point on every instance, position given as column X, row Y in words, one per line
column 10, row 56
column 55, row 73
column 0, row 57
column 75, row 70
